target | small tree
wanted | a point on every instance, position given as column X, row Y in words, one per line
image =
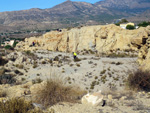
column 130, row 27
column 8, row 47
column 124, row 21
column 117, row 24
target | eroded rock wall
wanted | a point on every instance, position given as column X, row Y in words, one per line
column 95, row 38
column 144, row 54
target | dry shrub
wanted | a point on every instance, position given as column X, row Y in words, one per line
column 3, row 93
column 18, row 105
column 139, row 80
column 30, row 55
column 2, row 71
column 54, row 91
column 20, row 66
column 3, row 61
column 7, row 79
column 56, row 58
column 77, row 59
column 37, row 80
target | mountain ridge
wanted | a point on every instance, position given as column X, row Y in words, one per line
column 70, row 14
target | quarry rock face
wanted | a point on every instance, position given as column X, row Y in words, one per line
column 95, row 38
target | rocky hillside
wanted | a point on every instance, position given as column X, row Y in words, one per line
column 144, row 55
column 126, row 5
column 140, row 17
column 69, row 14
column 66, row 14
column 98, row 39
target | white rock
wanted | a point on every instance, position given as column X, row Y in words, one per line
column 92, row 99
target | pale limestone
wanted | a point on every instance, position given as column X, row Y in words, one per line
column 96, row 38
column 92, row 99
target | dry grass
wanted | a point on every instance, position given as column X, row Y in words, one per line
column 3, row 93
column 139, row 80
column 18, row 106
column 54, row 91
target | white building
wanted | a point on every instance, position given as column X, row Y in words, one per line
column 11, row 42
column 124, row 25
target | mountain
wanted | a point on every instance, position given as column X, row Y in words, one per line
column 70, row 14
column 144, row 16
column 126, row 5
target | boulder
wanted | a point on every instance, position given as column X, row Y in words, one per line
column 93, row 99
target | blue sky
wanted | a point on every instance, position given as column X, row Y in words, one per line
column 13, row 5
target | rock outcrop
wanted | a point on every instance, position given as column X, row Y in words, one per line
column 144, row 54
column 95, row 38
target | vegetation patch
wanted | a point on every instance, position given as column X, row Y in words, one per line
column 77, row 59
column 2, row 61
column 7, row 79
column 30, row 54
column 18, row 105
column 20, row 66
column 130, row 27
column 139, row 80
column 54, row 91
column 37, row 80
column 144, row 24
column 102, row 72
column 3, row 93
column 9, row 47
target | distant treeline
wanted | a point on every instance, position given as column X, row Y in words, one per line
column 144, row 24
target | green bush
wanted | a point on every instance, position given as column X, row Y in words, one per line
column 130, row 27
column 8, row 47
column 139, row 80
column 122, row 21
column 117, row 24
column 144, row 24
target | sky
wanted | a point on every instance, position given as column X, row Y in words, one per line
column 14, row 5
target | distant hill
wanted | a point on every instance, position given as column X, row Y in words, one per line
column 144, row 16
column 126, row 5
column 70, row 14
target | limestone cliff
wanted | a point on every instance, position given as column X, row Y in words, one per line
column 95, row 38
